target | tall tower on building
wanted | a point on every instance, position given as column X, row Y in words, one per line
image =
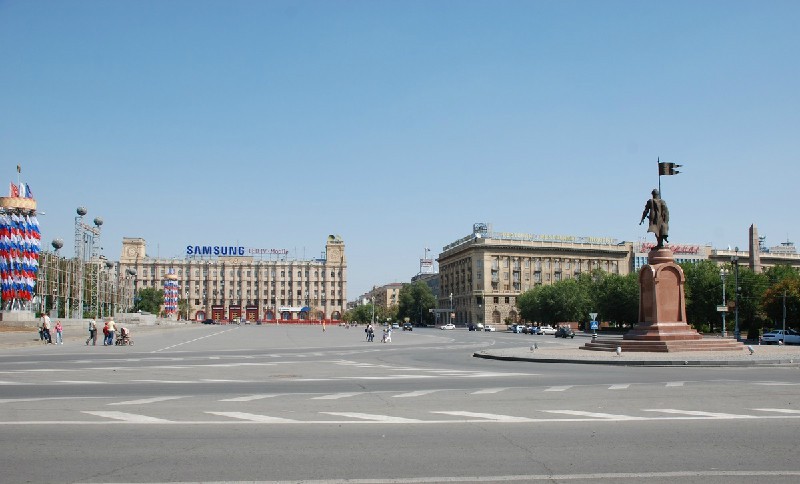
column 755, row 250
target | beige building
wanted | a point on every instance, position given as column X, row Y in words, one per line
column 482, row 274
column 385, row 296
column 230, row 282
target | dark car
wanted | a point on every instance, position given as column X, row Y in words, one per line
column 408, row 327
column 565, row 333
column 209, row 321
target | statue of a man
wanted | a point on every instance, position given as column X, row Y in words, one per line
column 657, row 213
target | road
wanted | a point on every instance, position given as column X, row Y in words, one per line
column 296, row 404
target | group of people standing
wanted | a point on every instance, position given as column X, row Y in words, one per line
column 46, row 336
column 387, row 334
column 109, row 330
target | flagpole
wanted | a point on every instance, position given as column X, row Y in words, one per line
column 658, row 159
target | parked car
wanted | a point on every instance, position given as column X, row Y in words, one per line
column 209, row 321
column 564, row 332
column 489, row 327
column 475, row 327
column 534, row 330
column 547, row 329
column 789, row 337
column 449, row 326
column 516, row 328
column 395, row 326
column 408, row 327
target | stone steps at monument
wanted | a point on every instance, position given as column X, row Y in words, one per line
column 664, row 346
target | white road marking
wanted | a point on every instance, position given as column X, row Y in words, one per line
column 489, row 416
column 170, row 382
column 697, row 413
column 250, row 398
column 193, row 340
column 777, row 383
column 559, row 389
column 80, row 382
column 254, row 418
column 578, row 413
column 14, row 383
column 337, row 396
column 375, row 418
column 129, row 417
column 418, row 393
column 488, row 391
column 609, row 477
column 621, row 386
column 42, row 399
column 778, row 410
column 675, row 383
column 145, row 401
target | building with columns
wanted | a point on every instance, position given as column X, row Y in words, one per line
column 482, row 274
column 231, row 282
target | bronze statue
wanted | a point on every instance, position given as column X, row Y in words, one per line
column 658, row 214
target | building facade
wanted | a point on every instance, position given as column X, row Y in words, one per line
column 231, row 282
column 482, row 274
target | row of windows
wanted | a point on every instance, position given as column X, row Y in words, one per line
column 232, row 273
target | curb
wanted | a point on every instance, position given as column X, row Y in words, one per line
column 791, row 362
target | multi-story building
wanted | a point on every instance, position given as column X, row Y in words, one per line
column 385, row 296
column 482, row 274
column 230, row 282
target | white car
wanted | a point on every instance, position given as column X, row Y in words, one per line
column 789, row 337
column 449, row 326
column 547, row 330
column 489, row 327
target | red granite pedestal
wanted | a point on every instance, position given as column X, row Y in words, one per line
column 662, row 323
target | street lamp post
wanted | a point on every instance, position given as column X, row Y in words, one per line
column 722, row 274
column 450, row 312
column 735, row 260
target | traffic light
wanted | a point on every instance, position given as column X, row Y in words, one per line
column 666, row 168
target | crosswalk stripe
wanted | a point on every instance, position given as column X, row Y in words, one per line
column 253, row 417
column 128, row 417
column 623, row 386
column 373, row 417
column 777, row 383
column 675, row 383
column 578, row 413
column 488, row 416
column 697, row 413
column 418, row 393
column 145, row 401
column 558, row 389
column 337, row 396
column 250, row 398
column 778, row 410
column 489, row 391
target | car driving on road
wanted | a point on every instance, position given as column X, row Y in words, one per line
column 449, row 326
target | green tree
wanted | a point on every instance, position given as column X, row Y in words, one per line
column 149, row 300
column 703, row 290
column 551, row 304
column 183, row 308
column 783, row 292
column 415, row 301
column 616, row 298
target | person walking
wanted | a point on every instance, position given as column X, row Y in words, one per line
column 105, row 334
column 59, row 333
column 111, row 328
column 46, row 330
column 92, row 333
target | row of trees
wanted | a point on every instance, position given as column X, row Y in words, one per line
column 762, row 298
column 415, row 301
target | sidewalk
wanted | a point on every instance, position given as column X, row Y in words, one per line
column 763, row 355
column 20, row 337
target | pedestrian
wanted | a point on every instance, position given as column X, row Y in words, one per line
column 41, row 332
column 111, row 328
column 92, row 333
column 59, row 333
column 105, row 334
column 46, row 330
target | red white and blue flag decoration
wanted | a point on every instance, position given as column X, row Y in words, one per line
column 23, row 190
column 20, row 243
column 170, row 295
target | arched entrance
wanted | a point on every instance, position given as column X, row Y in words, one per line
column 496, row 317
column 336, row 316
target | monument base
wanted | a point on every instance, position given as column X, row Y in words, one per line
column 662, row 323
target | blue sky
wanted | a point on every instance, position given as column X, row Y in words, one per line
column 399, row 124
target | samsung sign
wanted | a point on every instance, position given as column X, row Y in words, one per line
column 229, row 250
